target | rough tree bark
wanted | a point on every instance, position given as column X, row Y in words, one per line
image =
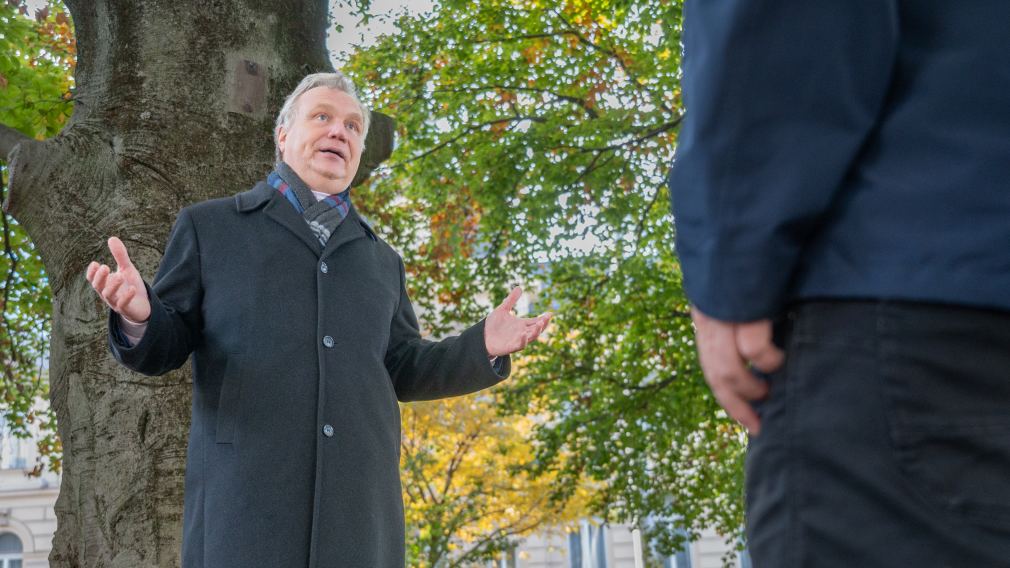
column 174, row 103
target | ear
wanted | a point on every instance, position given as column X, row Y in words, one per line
column 282, row 137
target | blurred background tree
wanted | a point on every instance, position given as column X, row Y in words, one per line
column 467, row 496
column 534, row 142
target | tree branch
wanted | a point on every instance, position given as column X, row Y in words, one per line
column 632, row 76
column 636, row 140
column 640, row 228
column 9, row 138
column 522, row 37
column 592, row 166
column 581, row 103
column 15, row 359
column 511, row 529
column 378, row 146
column 466, row 131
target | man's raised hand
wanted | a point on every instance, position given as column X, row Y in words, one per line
column 506, row 333
column 122, row 290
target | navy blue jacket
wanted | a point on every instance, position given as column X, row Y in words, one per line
column 844, row 149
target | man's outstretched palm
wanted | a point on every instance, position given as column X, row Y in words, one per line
column 123, row 290
column 506, row 333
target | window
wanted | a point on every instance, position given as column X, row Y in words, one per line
column 575, row 550
column 12, row 454
column 681, row 558
column 509, row 559
column 598, row 544
column 587, row 548
column 10, row 551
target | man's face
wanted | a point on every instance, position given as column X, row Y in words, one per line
column 323, row 143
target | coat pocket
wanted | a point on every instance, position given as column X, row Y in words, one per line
column 230, row 401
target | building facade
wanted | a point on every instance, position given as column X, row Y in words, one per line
column 27, row 515
column 613, row 546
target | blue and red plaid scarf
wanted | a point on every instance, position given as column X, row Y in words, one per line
column 323, row 215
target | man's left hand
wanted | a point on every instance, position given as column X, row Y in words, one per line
column 506, row 333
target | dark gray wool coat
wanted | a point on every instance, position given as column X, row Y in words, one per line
column 299, row 359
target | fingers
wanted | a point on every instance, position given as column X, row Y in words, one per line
column 510, row 301
column 98, row 278
column 522, row 335
column 754, row 343
column 118, row 250
column 537, row 325
column 725, row 369
column 527, row 338
column 545, row 321
column 112, row 285
column 533, row 327
column 726, row 372
column 124, row 299
column 104, row 282
column 739, row 409
column 533, row 322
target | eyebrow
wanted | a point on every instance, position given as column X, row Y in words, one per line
column 328, row 107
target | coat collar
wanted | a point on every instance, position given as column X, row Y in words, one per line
column 255, row 197
column 278, row 209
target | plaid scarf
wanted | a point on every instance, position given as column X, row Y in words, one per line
column 324, row 215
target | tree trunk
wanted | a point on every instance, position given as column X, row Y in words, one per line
column 175, row 102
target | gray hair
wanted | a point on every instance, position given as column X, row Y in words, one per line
column 334, row 80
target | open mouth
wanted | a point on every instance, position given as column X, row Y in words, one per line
column 334, row 152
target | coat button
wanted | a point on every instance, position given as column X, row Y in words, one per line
column 323, row 268
column 328, row 431
column 328, row 341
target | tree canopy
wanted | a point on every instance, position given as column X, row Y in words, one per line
column 534, row 141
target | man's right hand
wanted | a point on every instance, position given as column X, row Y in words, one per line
column 123, row 290
column 726, row 351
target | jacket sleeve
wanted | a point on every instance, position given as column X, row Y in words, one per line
column 173, row 329
column 780, row 96
column 426, row 370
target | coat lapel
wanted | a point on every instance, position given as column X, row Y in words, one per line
column 283, row 213
column 348, row 230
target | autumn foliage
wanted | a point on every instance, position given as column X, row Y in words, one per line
column 534, row 142
column 36, row 68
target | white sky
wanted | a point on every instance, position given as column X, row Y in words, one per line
column 382, row 23
column 35, row 5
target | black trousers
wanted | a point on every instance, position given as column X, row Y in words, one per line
column 885, row 439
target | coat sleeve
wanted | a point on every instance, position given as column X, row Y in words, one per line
column 780, row 96
column 426, row 370
column 173, row 330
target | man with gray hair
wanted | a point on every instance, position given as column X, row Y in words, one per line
column 303, row 340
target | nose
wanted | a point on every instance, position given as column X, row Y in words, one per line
column 337, row 130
